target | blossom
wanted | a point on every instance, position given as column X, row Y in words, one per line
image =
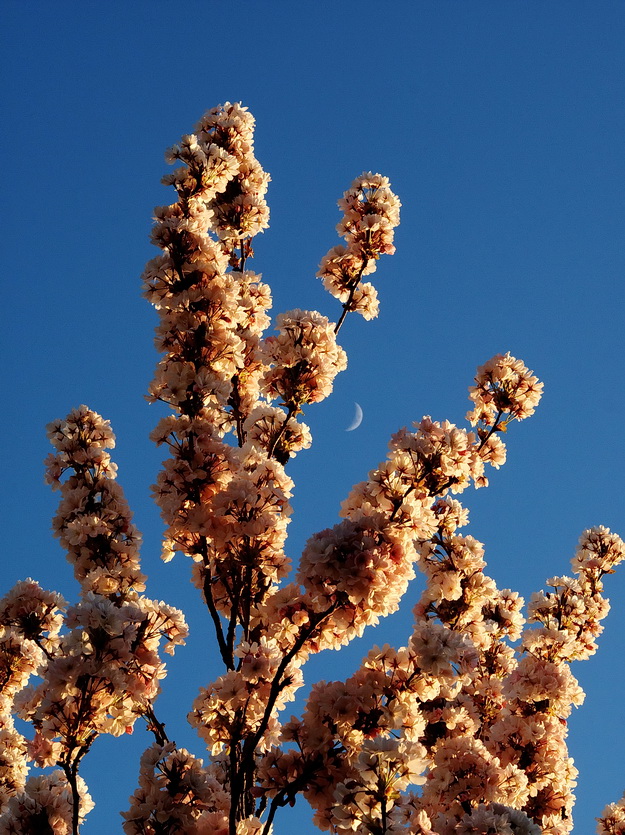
column 176, row 792
column 303, row 359
column 496, row 819
column 612, row 819
column 45, row 805
column 503, row 386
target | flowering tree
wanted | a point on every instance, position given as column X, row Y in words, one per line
column 457, row 732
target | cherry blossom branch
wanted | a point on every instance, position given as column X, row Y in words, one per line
column 486, row 723
column 225, row 648
column 153, row 724
column 71, row 772
column 347, row 303
column 292, row 409
column 241, row 768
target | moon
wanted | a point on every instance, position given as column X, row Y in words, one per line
column 357, row 419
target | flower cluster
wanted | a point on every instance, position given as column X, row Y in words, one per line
column 103, row 671
column 239, row 698
column 47, row 806
column 612, row 820
column 210, row 321
column 490, row 722
column 240, row 211
column 370, row 214
column 176, row 794
column 304, row 359
column 366, row 561
column 503, row 384
column 30, row 620
column 541, row 690
column 93, row 522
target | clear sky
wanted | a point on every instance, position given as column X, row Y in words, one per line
column 501, row 125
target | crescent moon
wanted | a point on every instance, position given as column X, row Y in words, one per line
column 357, row 419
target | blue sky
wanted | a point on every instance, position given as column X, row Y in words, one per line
column 502, row 128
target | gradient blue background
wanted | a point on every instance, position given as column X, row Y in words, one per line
column 502, row 128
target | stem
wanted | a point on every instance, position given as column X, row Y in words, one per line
column 247, row 600
column 224, row 651
column 491, row 430
column 47, row 654
column 157, row 728
column 71, row 773
column 280, row 433
column 344, row 313
column 287, row 794
column 235, row 788
column 242, row 766
column 251, row 743
column 277, row 801
column 384, row 812
column 235, row 402
column 352, row 290
column 350, row 298
column 232, row 624
column 75, row 802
